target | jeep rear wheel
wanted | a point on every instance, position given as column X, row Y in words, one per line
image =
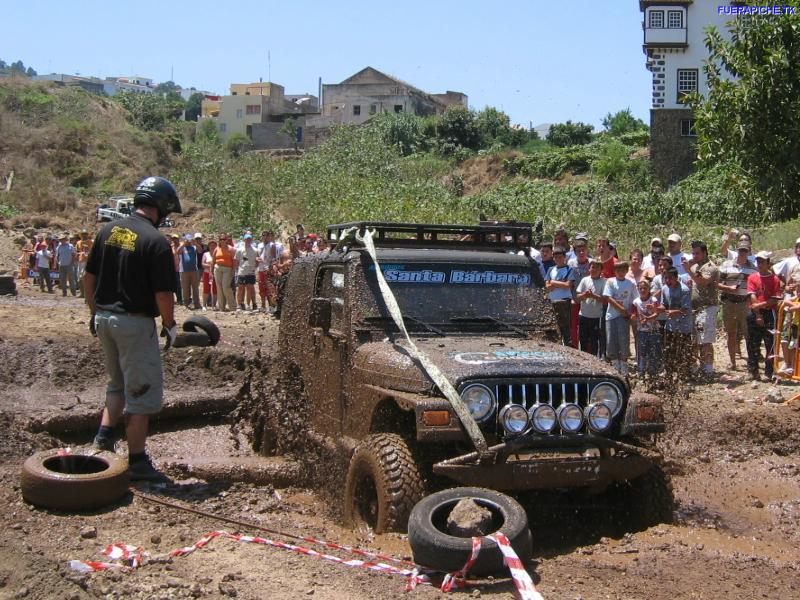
column 383, row 484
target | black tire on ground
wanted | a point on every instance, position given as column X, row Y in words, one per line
column 433, row 547
column 383, row 484
column 76, row 481
column 185, row 339
column 7, row 286
column 196, row 322
column 646, row 500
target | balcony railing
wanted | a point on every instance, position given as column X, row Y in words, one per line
column 665, row 37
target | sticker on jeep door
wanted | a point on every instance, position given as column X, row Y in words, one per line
column 485, row 358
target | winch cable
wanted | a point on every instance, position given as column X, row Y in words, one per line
column 436, row 375
column 248, row 525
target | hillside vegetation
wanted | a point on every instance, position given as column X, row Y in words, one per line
column 69, row 149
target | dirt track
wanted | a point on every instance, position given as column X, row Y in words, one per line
column 735, row 468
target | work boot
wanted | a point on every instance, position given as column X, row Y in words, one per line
column 143, row 470
column 103, row 443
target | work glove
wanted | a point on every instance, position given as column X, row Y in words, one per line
column 92, row 326
column 170, row 333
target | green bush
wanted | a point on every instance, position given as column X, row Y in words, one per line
column 238, row 144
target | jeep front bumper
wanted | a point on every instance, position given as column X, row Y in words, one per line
column 531, row 462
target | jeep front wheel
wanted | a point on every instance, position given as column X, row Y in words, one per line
column 383, row 484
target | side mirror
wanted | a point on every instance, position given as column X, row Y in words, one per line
column 320, row 314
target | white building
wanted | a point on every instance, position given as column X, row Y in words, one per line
column 674, row 43
column 136, row 84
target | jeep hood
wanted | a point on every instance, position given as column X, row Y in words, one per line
column 388, row 363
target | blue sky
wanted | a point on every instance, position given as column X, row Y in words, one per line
column 538, row 60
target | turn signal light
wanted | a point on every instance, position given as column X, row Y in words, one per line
column 436, row 417
column 646, row 413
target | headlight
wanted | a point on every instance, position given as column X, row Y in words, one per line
column 542, row 417
column 514, row 418
column 598, row 416
column 609, row 395
column 479, row 400
column 570, row 417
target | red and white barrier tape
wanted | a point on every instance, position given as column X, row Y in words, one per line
column 527, row 590
column 131, row 557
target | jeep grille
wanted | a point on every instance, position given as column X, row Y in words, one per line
column 551, row 391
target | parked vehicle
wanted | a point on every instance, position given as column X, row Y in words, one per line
column 120, row 207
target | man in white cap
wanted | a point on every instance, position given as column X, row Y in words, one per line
column 656, row 250
column 680, row 260
column 764, row 288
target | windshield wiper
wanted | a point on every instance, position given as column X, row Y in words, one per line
column 413, row 319
column 479, row 318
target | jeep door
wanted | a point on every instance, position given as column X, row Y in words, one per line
column 329, row 352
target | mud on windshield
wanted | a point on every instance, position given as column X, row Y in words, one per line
column 458, row 296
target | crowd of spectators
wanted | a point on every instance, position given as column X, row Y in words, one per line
column 670, row 301
column 236, row 274
column 662, row 308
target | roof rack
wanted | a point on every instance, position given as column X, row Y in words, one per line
column 498, row 237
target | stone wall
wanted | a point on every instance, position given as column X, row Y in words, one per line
column 672, row 155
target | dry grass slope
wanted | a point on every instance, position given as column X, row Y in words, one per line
column 68, row 150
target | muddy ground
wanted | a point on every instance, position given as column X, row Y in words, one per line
column 734, row 461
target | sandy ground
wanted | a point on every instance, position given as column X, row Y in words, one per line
column 734, row 462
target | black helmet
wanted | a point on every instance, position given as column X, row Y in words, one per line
column 158, row 192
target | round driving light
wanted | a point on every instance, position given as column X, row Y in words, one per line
column 598, row 416
column 543, row 418
column 514, row 418
column 479, row 400
column 570, row 417
column 609, row 395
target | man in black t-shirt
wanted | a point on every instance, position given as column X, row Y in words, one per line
column 130, row 280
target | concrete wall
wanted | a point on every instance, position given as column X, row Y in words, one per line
column 340, row 100
column 672, row 155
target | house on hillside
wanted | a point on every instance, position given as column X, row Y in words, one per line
column 136, row 84
column 259, row 110
column 675, row 50
column 369, row 92
column 90, row 84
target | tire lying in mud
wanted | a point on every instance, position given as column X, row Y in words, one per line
column 433, row 547
column 74, row 481
column 184, row 339
column 196, row 322
column 383, row 484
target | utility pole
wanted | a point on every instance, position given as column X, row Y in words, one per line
column 269, row 67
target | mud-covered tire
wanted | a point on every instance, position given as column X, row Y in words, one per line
column 185, row 339
column 54, row 481
column 646, row 500
column 196, row 322
column 433, row 547
column 383, row 484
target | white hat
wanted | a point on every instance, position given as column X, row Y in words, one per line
column 797, row 241
column 198, row 236
column 656, row 240
column 764, row 255
column 674, row 237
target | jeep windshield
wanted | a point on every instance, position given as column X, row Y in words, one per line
column 500, row 297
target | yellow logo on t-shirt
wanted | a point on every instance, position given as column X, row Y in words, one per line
column 122, row 237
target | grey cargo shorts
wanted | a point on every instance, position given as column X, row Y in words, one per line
column 133, row 360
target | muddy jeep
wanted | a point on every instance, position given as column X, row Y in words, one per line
column 544, row 416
